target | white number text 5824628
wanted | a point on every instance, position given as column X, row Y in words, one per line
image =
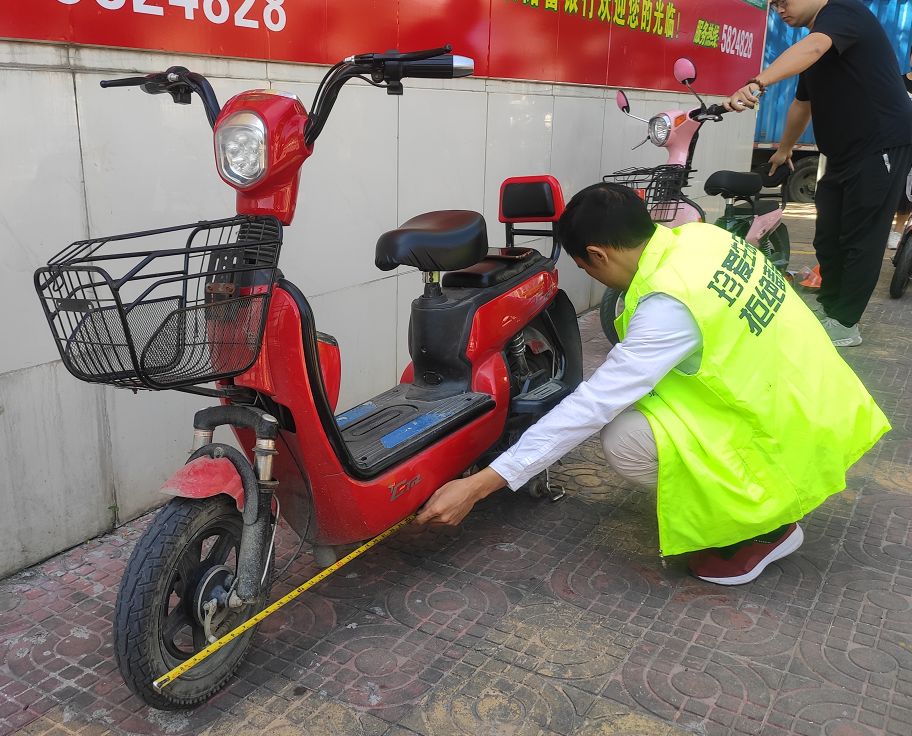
column 246, row 13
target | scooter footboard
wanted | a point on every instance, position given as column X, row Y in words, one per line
column 400, row 422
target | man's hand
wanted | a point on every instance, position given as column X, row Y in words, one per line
column 452, row 502
column 780, row 157
column 743, row 99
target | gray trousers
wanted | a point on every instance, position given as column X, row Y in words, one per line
column 630, row 448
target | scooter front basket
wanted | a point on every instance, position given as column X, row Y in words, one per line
column 661, row 187
column 166, row 308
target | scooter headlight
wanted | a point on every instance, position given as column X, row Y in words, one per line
column 240, row 144
column 659, row 129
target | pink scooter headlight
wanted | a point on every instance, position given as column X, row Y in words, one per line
column 659, row 129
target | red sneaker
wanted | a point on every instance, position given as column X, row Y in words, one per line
column 744, row 561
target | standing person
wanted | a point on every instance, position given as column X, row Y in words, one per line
column 905, row 203
column 849, row 82
column 707, row 398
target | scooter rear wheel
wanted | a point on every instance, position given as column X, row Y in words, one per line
column 190, row 547
column 777, row 247
column 903, row 262
column 607, row 310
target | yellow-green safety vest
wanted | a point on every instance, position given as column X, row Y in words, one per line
column 766, row 428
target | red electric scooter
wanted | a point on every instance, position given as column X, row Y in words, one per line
column 494, row 345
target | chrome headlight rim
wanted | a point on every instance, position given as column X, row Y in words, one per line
column 239, row 124
column 659, row 129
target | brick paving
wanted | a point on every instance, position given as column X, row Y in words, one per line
column 533, row 617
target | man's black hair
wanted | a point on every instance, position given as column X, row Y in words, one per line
column 605, row 214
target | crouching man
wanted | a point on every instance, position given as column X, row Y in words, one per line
column 725, row 393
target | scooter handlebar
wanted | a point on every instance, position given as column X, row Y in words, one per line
column 439, row 67
column 428, row 64
column 177, row 81
column 713, row 112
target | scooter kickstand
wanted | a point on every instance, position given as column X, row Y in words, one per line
column 554, row 492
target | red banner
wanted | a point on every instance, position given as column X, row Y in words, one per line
column 630, row 43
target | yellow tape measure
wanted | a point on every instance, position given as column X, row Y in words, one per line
column 189, row 664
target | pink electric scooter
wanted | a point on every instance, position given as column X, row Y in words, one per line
column 755, row 217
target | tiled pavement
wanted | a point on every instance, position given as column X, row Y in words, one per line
column 534, row 618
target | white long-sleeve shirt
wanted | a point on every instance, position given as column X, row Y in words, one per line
column 661, row 335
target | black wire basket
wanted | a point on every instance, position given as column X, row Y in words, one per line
column 661, row 187
column 165, row 308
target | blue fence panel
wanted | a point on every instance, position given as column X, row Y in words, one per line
column 894, row 15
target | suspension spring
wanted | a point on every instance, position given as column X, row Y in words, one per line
column 516, row 351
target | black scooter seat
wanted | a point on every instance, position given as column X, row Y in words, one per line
column 732, row 184
column 446, row 240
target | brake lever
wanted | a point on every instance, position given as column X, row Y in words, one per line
column 712, row 112
column 124, row 82
column 175, row 82
column 375, row 60
column 422, row 55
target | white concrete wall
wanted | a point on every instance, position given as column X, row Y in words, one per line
column 79, row 161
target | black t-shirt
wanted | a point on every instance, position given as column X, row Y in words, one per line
column 858, row 101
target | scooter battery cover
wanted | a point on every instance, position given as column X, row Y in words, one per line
column 399, row 423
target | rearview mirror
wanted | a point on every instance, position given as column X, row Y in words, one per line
column 685, row 71
column 622, row 103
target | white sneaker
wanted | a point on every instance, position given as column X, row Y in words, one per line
column 893, row 240
column 842, row 336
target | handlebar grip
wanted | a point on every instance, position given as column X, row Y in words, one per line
column 716, row 110
column 125, row 82
column 439, row 67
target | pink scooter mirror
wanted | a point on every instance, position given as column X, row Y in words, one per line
column 685, row 71
column 622, row 103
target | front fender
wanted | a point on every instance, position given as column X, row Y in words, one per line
column 205, row 477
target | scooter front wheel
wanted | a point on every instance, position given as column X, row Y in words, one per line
column 903, row 262
column 186, row 559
